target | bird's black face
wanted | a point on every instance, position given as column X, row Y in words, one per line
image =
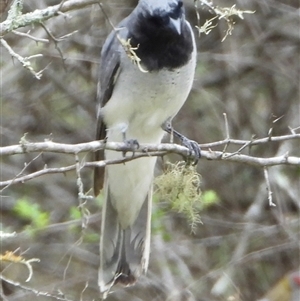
column 160, row 33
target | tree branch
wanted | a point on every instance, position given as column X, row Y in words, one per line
column 34, row 291
column 144, row 150
column 41, row 15
column 50, row 146
column 16, row 20
column 254, row 141
column 24, row 61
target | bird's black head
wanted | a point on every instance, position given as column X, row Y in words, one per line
column 162, row 15
column 157, row 28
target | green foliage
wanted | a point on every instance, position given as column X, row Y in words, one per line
column 91, row 238
column 32, row 213
column 209, row 198
column 180, row 187
column 75, row 213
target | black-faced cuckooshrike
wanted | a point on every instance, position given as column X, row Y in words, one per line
column 138, row 106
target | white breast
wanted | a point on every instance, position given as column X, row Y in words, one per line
column 140, row 104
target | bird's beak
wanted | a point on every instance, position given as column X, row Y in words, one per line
column 176, row 24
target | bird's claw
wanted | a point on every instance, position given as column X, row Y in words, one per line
column 193, row 146
column 194, row 150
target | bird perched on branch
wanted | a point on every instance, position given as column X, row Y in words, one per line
column 146, row 73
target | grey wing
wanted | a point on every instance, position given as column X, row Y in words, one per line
column 108, row 72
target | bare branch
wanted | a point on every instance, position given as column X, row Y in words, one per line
column 21, row 172
column 50, row 146
column 227, row 132
column 33, row 291
column 144, row 150
column 45, row 171
column 225, row 13
column 22, row 179
column 82, row 197
column 24, row 61
column 41, row 15
column 27, row 35
column 270, row 198
column 280, row 160
column 4, row 235
column 253, row 141
column 129, row 50
column 16, row 20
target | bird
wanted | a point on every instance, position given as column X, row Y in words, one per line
column 137, row 101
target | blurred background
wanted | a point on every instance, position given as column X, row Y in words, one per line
column 243, row 246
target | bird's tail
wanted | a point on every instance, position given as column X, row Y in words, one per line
column 124, row 253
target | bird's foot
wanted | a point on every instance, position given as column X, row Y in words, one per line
column 193, row 146
column 194, row 150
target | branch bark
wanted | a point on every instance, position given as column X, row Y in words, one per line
column 156, row 150
column 41, row 15
column 144, row 150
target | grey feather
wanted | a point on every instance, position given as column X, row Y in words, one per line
column 107, row 77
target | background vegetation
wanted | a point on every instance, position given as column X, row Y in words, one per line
column 243, row 246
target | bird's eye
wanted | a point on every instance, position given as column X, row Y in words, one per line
column 177, row 10
column 178, row 6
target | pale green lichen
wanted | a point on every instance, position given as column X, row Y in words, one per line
column 179, row 186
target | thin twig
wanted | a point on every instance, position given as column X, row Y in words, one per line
column 227, row 132
column 226, row 126
column 33, row 291
column 82, row 197
column 27, row 35
column 241, row 148
column 253, row 141
column 270, row 197
column 22, row 179
column 24, row 61
column 55, row 40
column 107, row 18
column 61, row 4
column 22, row 171
column 129, row 50
column 84, row 289
column 225, row 13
